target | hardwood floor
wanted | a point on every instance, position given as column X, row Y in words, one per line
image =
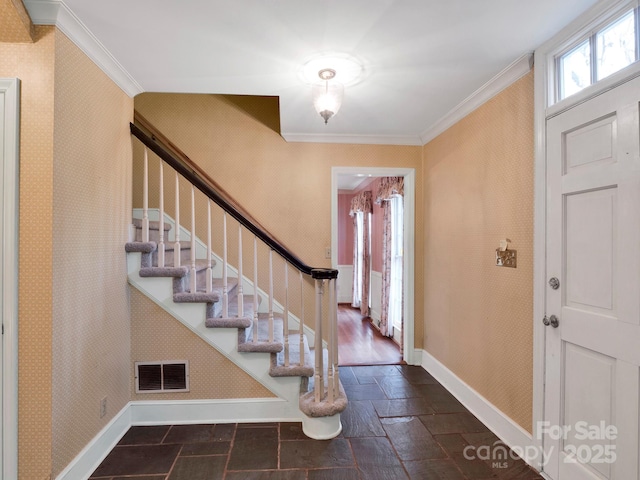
column 360, row 343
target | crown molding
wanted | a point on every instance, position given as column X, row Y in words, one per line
column 410, row 140
column 502, row 80
column 54, row 12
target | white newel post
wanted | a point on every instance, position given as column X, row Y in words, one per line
column 301, row 319
column 319, row 380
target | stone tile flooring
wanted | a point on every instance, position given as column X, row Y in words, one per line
column 400, row 424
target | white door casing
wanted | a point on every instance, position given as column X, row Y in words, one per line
column 9, row 160
column 409, row 175
column 591, row 424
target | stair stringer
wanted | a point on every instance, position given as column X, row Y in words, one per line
column 225, row 340
column 247, row 283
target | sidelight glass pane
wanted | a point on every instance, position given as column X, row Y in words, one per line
column 616, row 46
column 575, row 68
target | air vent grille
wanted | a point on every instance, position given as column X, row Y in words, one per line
column 162, row 377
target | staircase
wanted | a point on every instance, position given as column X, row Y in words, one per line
column 232, row 313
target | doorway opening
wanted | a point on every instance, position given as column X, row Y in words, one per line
column 360, row 331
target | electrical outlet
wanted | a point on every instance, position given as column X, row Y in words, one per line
column 327, row 252
column 103, row 407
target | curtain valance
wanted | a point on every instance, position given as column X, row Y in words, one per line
column 389, row 186
column 361, row 203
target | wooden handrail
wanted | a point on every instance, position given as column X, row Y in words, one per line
column 144, row 131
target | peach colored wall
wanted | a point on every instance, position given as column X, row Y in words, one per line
column 33, row 64
column 69, row 347
column 285, row 186
column 478, row 184
column 91, row 213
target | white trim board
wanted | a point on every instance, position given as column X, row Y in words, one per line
column 169, row 412
column 10, row 160
column 410, row 140
column 55, row 12
column 512, row 434
column 519, row 68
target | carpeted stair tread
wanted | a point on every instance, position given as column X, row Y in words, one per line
column 175, row 272
column 154, row 229
column 294, row 369
column 153, row 224
column 197, row 297
column 323, row 408
column 231, row 320
column 263, row 344
column 142, row 247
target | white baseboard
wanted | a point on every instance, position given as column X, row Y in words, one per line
column 506, row 429
column 235, row 410
column 97, row 449
column 161, row 412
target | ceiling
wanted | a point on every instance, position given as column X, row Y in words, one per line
column 420, row 58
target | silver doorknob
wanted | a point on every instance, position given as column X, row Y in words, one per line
column 554, row 283
column 552, row 320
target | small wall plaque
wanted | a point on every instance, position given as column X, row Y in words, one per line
column 506, row 258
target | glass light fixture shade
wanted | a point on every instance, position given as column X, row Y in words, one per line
column 327, row 98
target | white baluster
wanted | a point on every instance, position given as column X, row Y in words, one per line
column 285, row 320
column 270, row 295
column 240, row 275
column 318, row 387
column 145, row 198
column 209, row 247
column 176, row 245
column 301, row 319
column 193, row 240
column 255, row 288
column 161, row 219
column 225, row 294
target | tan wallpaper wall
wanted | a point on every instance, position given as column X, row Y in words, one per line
column 91, row 211
column 156, row 335
column 15, row 24
column 285, row 186
column 34, row 65
column 478, row 190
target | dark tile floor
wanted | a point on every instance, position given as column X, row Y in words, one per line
column 400, row 424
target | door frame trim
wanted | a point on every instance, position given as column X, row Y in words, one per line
column 10, row 90
column 409, row 175
column 544, row 82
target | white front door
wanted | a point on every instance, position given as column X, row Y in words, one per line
column 592, row 363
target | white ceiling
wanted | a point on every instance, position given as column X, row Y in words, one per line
column 421, row 58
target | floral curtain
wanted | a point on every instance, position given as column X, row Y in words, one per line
column 389, row 186
column 361, row 203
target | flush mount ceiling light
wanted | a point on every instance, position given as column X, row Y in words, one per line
column 327, row 96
